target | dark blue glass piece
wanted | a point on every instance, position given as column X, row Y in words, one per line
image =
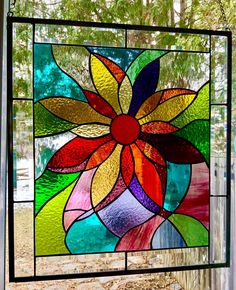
column 145, row 85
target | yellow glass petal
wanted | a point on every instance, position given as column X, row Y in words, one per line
column 149, row 105
column 169, row 110
column 105, row 83
column 74, row 111
column 106, row 176
column 125, row 95
column 91, row 130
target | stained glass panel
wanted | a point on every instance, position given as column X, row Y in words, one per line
column 123, row 138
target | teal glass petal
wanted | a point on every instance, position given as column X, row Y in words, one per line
column 121, row 56
column 49, row 79
column 178, row 180
column 90, row 236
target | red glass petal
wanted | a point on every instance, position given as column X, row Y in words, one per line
column 117, row 72
column 148, row 176
column 127, row 165
column 173, row 148
column 76, row 151
column 158, row 128
column 99, row 104
column 100, row 154
column 150, row 152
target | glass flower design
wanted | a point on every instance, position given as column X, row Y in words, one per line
column 137, row 169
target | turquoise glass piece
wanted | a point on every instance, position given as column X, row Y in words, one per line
column 90, row 236
column 121, row 56
column 166, row 236
column 49, row 79
column 178, row 180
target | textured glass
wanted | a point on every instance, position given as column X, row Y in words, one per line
column 23, row 150
column 219, row 69
column 218, row 228
column 86, row 113
column 22, row 62
column 23, row 238
column 168, row 41
column 46, row 147
column 80, row 264
column 218, row 150
column 167, row 258
column 192, row 75
column 128, row 179
column 79, row 35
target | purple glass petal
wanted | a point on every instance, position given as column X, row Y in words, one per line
column 142, row 197
column 123, row 214
column 144, row 86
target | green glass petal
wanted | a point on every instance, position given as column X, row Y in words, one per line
column 49, row 231
column 47, row 124
column 193, row 232
column 49, row 184
column 199, row 109
column 178, row 179
column 121, row 56
column 49, row 79
column 197, row 133
column 141, row 61
column 90, row 236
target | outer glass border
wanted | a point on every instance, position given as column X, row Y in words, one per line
column 33, row 21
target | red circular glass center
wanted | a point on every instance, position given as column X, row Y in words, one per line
column 125, row 129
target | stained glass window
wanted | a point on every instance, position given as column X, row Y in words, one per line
column 111, row 150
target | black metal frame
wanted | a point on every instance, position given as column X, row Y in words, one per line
column 33, row 21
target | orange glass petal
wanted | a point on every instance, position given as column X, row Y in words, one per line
column 100, row 154
column 147, row 176
column 174, row 92
column 150, row 152
column 149, row 105
column 117, row 72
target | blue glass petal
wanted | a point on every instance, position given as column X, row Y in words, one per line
column 124, row 213
column 90, row 236
column 178, row 180
column 121, row 56
column 145, row 85
column 49, row 79
column 166, row 236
